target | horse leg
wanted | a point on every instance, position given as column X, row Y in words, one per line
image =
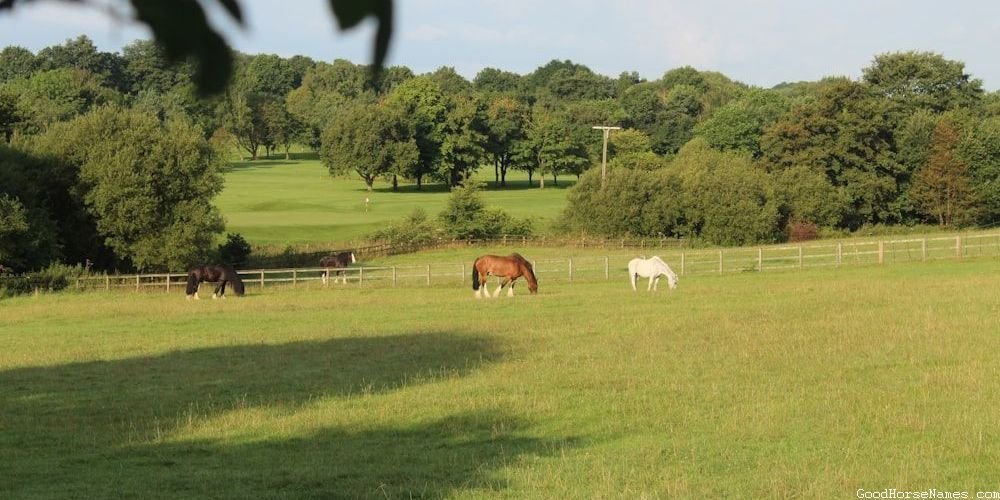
column 482, row 287
column 503, row 282
column 634, row 277
column 650, row 285
column 510, row 291
column 325, row 275
column 656, row 282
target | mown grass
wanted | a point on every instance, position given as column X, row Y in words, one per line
column 811, row 384
column 276, row 201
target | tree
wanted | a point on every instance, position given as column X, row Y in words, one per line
column 942, row 188
column 423, row 107
column 507, row 123
column 555, row 146
column 80, row 53
column 492, row 80
column 738, row 125
column 980, row 150
column 727, row 200
column 16, row 63
column 182, row 29
column 149, row 185
column 844, row 133
column 13, row 226
column 463, row 140
column 370, row 140
column 922, row 80
column 57, row 95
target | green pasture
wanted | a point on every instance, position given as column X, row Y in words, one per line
column 276, row 201
column 809, row 384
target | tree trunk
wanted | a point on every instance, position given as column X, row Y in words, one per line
column 555, row 179
column 395, row 183
column 496, row 173
column 420, row 183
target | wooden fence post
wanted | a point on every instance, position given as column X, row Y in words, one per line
column 361, row 275
column 720, row 262
column 606, row 267
column 295, row 276
column 261, row 279
column 428, row 274
column 682, row 263
column 760, row 259
column 923, row 249
column 840, row 253
column 570, row 265
column 800, row 256
column 958, row 246
column 107, row 282
column 881, row 252
column 394, row 276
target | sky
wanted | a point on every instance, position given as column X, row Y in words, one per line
column 758, row 42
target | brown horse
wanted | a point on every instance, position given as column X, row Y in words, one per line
column 221, row 274
column 338, row 262
column 508, row 269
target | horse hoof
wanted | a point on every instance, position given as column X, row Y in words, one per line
column 214, row 296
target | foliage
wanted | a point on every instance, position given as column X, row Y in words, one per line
column 942, row 188
column 414, row 230
column 148, row 184
column 370, row 140
column 235, row 251
column 922, row 80
column 466, row 216
column 53, row 278
column 183, row 30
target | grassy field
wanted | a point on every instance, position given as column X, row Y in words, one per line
column 799, row 384
column 296, row 201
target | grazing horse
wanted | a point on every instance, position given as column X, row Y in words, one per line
column 338, row 262
column 651, row 268
column 508, row 269
column 222, row 274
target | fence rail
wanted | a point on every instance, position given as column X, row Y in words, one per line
column 684, row 261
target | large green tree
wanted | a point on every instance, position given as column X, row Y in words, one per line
column 148, row 184
column 370, row 140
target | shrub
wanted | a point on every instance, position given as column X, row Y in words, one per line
column 235, row 251
column 799, row 230
column 415, row 230
column 51, row 279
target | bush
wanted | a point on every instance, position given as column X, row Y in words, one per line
column 235, row 251
column 415, row 230
column 465, row 216
column 799, row 230
column 51, row 279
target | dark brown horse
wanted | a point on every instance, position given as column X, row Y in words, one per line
column 508, row 269
column 221, row 274
column 338, row 262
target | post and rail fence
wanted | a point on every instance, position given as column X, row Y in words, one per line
column 685, row 262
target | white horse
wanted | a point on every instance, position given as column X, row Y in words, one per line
column 651, row 268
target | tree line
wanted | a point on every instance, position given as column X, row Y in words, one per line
column 105, row 139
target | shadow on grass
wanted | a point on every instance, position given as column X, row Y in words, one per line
column 97, row 429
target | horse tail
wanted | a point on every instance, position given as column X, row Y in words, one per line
column 192, row 284
column 234, row 279
column 475, row 275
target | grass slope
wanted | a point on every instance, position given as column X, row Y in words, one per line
column 810, row 384
column 296, row 201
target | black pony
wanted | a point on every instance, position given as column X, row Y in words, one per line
column 336, row 261
column 221, row 273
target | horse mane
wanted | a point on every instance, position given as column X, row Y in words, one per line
column 229, row 274
column 520, row 258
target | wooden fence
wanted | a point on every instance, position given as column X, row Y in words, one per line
column 685, row 262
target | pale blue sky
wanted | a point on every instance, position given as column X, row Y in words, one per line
column 759, row 42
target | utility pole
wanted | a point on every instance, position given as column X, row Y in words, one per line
column 604, row 154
